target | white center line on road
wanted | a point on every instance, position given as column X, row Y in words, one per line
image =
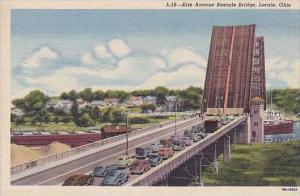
column 110, row 156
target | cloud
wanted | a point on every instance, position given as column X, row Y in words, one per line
column 183, row 77
column 119, row 48
column 101, row 51
column 178, row 56
column 86, row 58
column 282, row 73
column 36, row 59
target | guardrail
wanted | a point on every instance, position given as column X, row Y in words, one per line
column 74, row 151
column 160, row 173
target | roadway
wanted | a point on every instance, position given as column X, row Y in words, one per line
column 56, row 175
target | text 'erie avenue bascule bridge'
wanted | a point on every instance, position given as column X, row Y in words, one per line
column 234, row 85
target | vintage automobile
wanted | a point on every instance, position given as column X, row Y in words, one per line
column 196, row 138
column 102, row 171
column 79, row 180
column 178, row 145
column 154, row 159
column 125, row 161
column 165, row 152
column 140, row 166
column 142, row 153
column 115, row 178
column 187, row 141
column 154, row 147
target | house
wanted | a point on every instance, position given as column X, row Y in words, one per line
column 149, row 100
column 82, row 104
column 52, row 103
column 17, row 111
column 99, row 104
column 135, row 101
column 64, row 104
column 171, row 102
column 114, row 129
column 111, row 101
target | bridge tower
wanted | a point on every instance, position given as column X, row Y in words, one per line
column 257, row 119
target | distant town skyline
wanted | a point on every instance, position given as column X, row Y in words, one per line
column 61, row 50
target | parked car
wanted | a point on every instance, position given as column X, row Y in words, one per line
column 196, row 138
column 166, row 142
column 154, row 147
column 187, row 141
column 142, row 153
column 140, row 166
column 165, row 152
column 125, row 161
column 178, row 145
column 154, row 159
column 102, row 171
column 115, row 178
column 187, row 133
column 79, row 180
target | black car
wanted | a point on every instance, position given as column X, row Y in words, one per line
column 102, row 171
column 154, row 159
column 79, row 180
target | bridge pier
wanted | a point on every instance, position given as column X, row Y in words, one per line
column 227, row 152
column 215, row 163
column 242, row 135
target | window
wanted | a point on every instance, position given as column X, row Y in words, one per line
column 256, row 61
column 253, row 134
column 256, row 53
column 256, row 44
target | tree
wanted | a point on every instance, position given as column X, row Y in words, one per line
column 117, row 116
column 99, row 95
column 73, row 95
column 19, row 103
column 95, row 114
column 19, row 120
column 87, row 94
column 107, row 114
column 56, row 120
column 64, row 95
column 33, row 102
column 161, row 93
column 146, row 107
column 85, row 121
column 74, row 109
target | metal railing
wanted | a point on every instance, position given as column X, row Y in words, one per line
column 78, row 150
column 162, row 172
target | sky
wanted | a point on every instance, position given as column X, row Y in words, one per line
column 61, row 50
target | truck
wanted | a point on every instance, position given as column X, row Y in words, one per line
column 212, row 125
column 142, row 153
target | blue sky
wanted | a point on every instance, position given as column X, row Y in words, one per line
column 60, row 50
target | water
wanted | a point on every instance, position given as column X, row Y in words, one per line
column 297, row 130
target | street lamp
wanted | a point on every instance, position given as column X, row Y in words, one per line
column 175, row 116
column 126, row 132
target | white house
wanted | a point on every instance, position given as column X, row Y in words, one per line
column 150, row 100
column 111, row 101
column 135, row 101
column 171, row 103
column 82, row 104
column 17, row 111
column 99, row 104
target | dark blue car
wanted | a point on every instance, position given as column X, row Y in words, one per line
column 102, row 171
column 115, row 178
column 154, row 159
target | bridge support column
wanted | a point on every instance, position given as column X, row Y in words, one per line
column 216, row 158
column 227, row 153
column 243, row 132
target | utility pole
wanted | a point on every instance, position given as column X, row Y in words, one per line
column 126, row 132
column 175, row 116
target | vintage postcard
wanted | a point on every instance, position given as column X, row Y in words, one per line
column 150, row 97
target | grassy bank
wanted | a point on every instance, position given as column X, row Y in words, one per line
column 275, row 164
